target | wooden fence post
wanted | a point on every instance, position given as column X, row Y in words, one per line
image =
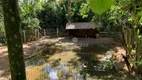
column 44, row 32
column 38, row 33
column 57, row 32
column 24, row 33
column 35, row 34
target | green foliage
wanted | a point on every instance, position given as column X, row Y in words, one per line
column 1, row 20
column 128, row 15
column 29, row 10
column 140, row 16
column 108, row 20
column 53, row 15
column 100, row 6
column 30, row 23
column 81, row 11
column 85, row 10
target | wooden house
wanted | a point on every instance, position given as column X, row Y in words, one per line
column 82, row 29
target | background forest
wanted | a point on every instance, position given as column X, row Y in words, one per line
column 54, row 13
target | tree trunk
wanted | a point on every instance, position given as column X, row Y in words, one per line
column 69, row 11
column 14, row 41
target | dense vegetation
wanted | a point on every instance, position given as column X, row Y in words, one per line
column 54, row 13
column 127, row 15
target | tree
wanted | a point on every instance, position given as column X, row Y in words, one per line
column 14, row 41
column 28, row 13
column 129, row 18
column 56, row 13
column 53, row 15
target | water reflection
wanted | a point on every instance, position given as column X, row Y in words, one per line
column 63, row 71
column 36, row 62
column 78, row 69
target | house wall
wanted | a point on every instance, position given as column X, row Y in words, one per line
column 83, row 33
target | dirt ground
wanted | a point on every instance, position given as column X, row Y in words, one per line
column 65, row 56
column 28, row 49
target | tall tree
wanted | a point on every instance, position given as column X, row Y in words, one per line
column 14, row 41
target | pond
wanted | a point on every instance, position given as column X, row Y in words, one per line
column 75, row 63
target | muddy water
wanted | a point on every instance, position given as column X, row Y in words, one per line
column 35, row 68
column 74, row 63
column 71, row 59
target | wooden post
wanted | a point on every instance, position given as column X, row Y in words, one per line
column 44, row 32
column 38, row 33
column 24, row 33
column 35, row 34
column 57, row 32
